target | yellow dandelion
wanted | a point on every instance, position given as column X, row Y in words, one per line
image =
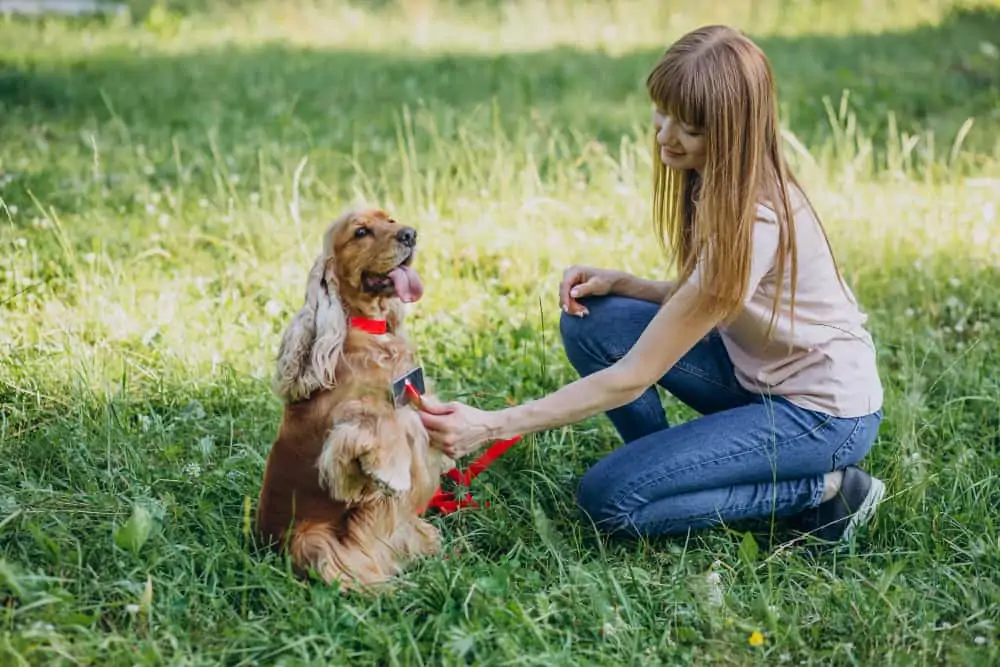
column 756, row 639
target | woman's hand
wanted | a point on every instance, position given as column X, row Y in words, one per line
column 456, row 428
column 581, row 281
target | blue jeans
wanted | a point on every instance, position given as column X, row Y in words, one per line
column 749, row 456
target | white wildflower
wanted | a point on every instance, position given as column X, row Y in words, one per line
column 713, row 581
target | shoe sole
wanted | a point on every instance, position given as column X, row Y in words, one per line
column 867, row 509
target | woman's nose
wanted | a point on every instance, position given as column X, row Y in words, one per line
column 664, row 132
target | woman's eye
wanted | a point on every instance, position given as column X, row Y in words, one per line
column 360, row 232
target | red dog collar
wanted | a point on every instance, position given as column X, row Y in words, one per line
column 376, row 327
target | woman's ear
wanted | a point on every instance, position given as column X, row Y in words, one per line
column 311, row 345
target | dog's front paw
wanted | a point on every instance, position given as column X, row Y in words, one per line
column 357, row 464
column 391, row 477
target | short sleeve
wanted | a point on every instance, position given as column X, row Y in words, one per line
column 765, row 248
column 764, row 251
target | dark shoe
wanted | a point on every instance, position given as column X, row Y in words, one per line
column 837, row 519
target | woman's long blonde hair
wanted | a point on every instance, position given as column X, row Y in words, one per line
column 716, row 79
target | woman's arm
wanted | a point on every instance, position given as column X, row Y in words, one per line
column 667, row 338
column 656, row 291
column 673, row 331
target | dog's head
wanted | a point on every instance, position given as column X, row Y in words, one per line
column 365, row 269
column 371, row 256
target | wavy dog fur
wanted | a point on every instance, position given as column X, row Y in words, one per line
column 349, row 473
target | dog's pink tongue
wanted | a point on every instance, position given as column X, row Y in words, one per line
column 407, row 283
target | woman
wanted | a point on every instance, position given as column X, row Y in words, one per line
column 759, row 334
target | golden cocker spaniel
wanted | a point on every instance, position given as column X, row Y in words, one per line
column 349, row 473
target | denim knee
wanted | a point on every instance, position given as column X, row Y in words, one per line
column 594, row 497
column 573, row 330
column 584, row 339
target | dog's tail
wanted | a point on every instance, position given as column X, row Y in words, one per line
column 315, row 546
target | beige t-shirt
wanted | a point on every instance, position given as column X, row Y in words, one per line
column 827, row 362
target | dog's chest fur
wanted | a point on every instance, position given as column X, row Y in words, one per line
column 381, row 358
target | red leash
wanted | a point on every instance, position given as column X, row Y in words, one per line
column 444, row 501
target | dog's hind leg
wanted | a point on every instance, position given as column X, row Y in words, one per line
column 419, row 538
column 315, row 548
column 363, row 554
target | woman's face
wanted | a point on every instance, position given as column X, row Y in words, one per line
column 681, row 146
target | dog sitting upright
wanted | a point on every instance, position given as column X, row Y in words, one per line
column 350, row 472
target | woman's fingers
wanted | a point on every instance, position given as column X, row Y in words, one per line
column 570, row 277
column 571, row 288
column 434, row 423
column 431, row 405
column 585, row 288
column 441, row 427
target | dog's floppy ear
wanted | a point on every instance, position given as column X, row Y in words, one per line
column 312, row 343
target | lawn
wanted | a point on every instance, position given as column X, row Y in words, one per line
column 165, row 176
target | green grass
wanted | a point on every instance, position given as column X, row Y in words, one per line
column 165, row 177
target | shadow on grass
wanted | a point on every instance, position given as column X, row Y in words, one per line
column 333, row 104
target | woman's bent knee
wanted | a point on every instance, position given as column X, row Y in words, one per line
column 575, row 330
column 594, row 496
column 581, row 339
column 596, row 340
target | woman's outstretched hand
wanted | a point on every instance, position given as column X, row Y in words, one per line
column 580, row 281
column 457, row 429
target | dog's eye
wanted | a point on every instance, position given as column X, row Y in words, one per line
column 361, row 232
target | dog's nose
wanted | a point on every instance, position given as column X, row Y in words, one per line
column 407, row 236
